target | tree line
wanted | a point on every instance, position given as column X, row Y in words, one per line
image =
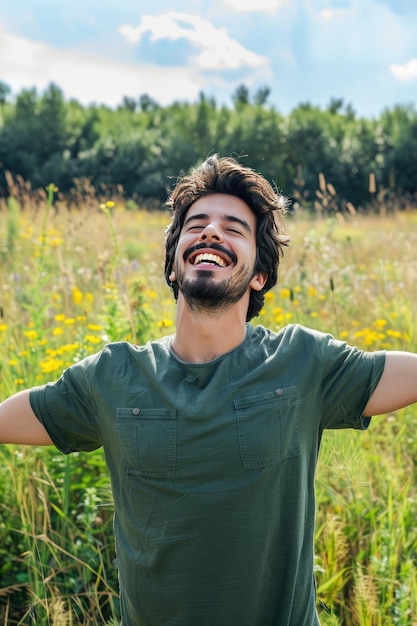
column 138, row 148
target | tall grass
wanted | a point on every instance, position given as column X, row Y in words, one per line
column 73, row 279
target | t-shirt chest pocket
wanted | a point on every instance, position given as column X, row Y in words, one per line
column 268, row 427
column 148, row 440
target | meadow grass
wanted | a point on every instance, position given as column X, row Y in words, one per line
column 72, row 280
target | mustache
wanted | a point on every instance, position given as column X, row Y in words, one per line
column 214, row 246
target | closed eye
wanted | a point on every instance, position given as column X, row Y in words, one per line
column 234, row 230
column 195, row 227
column 191, row 223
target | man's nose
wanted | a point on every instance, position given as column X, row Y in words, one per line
column 211, row 233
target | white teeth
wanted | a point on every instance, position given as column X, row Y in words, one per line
column 211, row 258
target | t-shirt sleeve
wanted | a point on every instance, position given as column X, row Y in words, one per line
column 67, row 408
column 350, row 376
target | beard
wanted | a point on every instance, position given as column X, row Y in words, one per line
column 205, row 293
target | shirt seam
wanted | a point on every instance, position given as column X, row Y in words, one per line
column 93, row 395
column 318, row 345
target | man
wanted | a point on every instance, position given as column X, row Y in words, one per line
column 211, row 435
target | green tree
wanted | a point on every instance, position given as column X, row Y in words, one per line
column 129, row 103
column 146, row 103
column 33, row 140
column 5, row 92
column 52, row 123
column 241, row 96
column 142, row 145
column 20, row 136
column 261, row 95
column 399, row 128
column 255, row 132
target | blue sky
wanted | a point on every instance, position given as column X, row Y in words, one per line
column 364, row 51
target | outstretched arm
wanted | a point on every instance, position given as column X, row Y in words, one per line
column 398, row 385
column 19, row 424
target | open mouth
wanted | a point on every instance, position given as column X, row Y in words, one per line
column 214, row 256
column 208, row 258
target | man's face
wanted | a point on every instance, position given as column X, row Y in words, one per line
column 216, row 253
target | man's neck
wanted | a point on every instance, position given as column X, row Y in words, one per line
column 205, row 335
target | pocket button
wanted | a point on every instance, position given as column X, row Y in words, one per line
column 279, row 392
column 136, row 411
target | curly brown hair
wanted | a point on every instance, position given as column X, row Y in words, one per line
column 227, row 176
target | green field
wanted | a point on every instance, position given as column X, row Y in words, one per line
column 72, row 280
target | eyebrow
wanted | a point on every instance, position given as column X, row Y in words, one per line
column 226, row 218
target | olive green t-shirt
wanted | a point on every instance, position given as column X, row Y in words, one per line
column 212, row 468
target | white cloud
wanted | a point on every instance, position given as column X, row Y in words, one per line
column 405, row 72
column 90, row 78
column 18, row 54
column 330, row 14
column 219, row 51
column 258, row 5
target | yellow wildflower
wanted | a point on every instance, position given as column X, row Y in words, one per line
column 51, row 365
column 30, row 334
column 394, row 333
column 57, row 331
column 92, row 339
column 94, row 327
column 69, row 347
column 56, row 241
column 77, row 295
column 166, row 323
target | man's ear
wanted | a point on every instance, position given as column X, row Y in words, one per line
column 172, row 276
column 258, row 281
